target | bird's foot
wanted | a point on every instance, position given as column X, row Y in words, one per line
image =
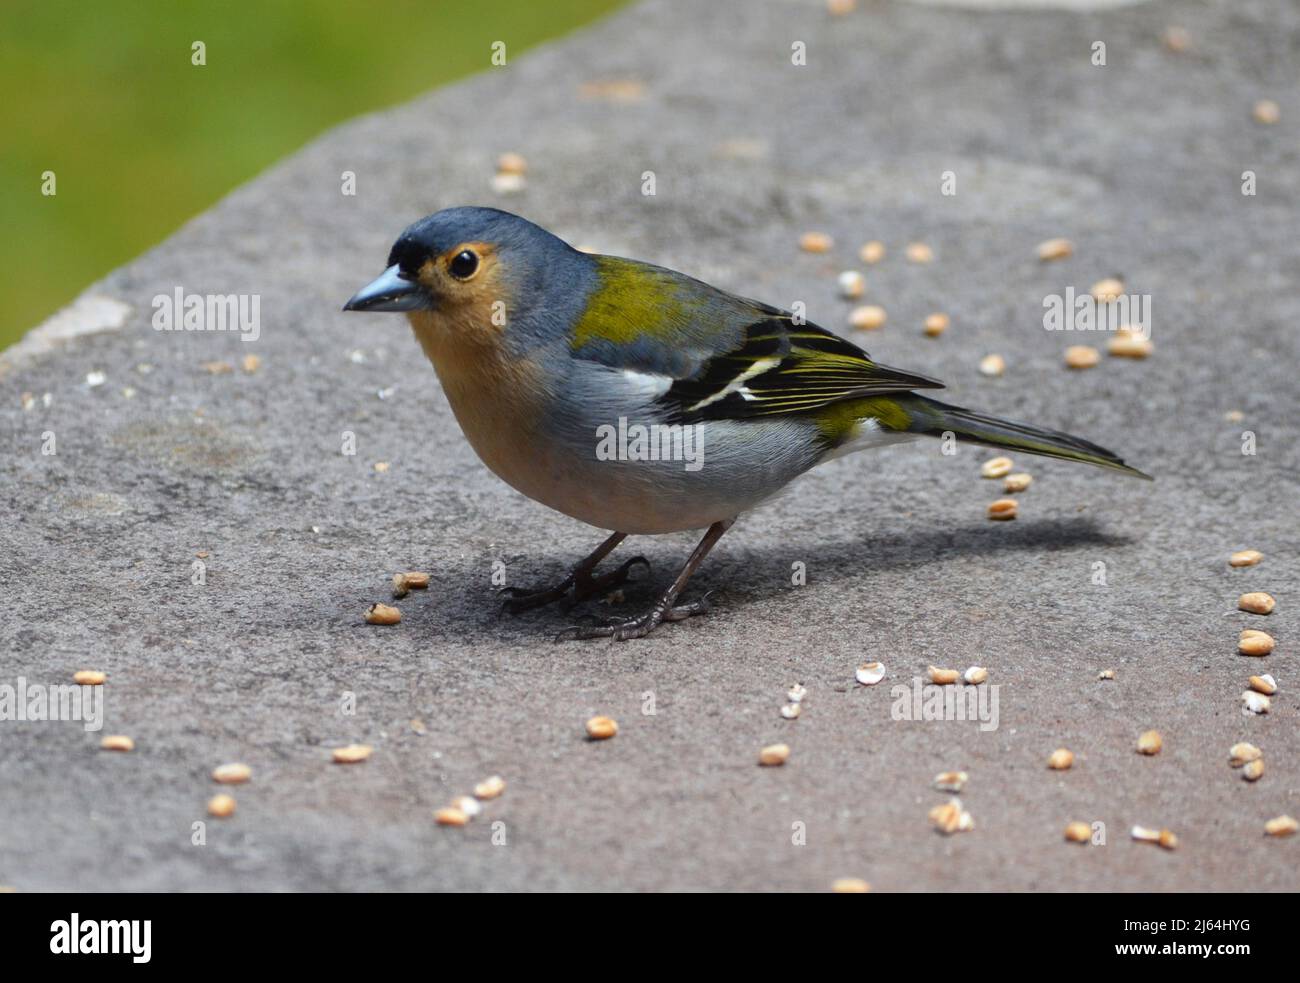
column 573, row 589
column 638, row 627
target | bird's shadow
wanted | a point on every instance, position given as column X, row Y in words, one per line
column 738, row 577
column 756, row 574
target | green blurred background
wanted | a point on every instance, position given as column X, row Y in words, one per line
column 104, row 95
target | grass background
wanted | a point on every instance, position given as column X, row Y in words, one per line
column 105, row 96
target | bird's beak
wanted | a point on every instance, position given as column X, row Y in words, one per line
column 390, row 291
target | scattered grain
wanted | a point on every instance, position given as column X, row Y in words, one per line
column 1177, row 39
column 996, row 467
column 1256, row 703
column 508, row 184
column 1265, row 684
column 1078, row 832
column 490, row 787
column 774, row 754
column 1256, row 602
column 951, row 817
column 1150, row 742
column 1082, row 356
column 382, row 614
column 1129, row 343
column 1242, row 753
column 1281, row 826
column 351, row 754
column 467, row 804
column 951, row 781
column 1163, row 837
column 868, row 317
column 870, row 673
column 1266, row 111
column 602, row 728
column 234, row 773
column 850, row 885
column 1253, row 642
column 1051, row 249
column 1003, row 509
column 512, row 163
column 1060, row 759
column 1106, row 290
column 816, row 242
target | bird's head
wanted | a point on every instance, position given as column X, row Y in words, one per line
column 475, row 273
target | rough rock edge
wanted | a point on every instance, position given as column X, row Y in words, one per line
column 91, row 313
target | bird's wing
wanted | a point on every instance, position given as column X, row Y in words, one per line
column 781, row 368
column 727, row 357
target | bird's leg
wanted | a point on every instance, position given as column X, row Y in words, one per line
column 579, row 581
column 665, row 608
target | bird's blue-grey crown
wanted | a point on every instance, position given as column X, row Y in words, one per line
column 443, row 231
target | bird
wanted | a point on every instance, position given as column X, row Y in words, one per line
column 642, row 401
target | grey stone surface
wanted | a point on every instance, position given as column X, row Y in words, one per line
column 1139, row 162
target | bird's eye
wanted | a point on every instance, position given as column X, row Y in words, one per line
column 464, row 265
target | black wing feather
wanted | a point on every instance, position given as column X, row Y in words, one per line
column 782, row 368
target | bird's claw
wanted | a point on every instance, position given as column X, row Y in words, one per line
column 573, row 590
column 573, row 632
column 684, row 611
column 638, row 627
column 615, row 578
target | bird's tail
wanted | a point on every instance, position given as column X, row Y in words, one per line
column 929, row 416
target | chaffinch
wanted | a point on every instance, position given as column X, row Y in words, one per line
column 640, row 400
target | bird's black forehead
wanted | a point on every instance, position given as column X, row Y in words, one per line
column 409, row 253
column 443, row 231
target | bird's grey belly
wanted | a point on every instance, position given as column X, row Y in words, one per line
column 666, row 483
